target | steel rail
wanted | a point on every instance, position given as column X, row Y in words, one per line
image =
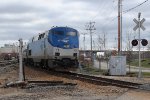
column 101, row 80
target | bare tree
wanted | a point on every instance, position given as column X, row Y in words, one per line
column 148, row 46
column 101, row 41
column 129, row 49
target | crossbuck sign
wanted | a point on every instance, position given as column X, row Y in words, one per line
column 139, row 24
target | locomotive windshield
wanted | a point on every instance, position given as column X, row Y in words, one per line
column 71, row 33
column 58, row 32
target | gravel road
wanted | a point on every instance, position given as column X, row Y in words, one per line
column 82, row 91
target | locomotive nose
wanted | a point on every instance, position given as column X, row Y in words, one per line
column 66, row 62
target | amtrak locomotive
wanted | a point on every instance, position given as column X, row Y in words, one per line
column 57, row 46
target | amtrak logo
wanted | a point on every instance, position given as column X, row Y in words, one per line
column 65, row 41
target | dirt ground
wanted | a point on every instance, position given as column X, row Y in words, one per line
column 82, row 91
column 135, row 95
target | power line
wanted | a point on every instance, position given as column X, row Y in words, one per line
column 101, row 11
column 124, row 12
column 135, row 7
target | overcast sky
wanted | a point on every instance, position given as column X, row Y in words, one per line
column 25, row 18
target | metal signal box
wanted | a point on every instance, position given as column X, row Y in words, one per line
column 117, row 65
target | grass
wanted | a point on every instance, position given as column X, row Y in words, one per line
column 93, row 71
column 135, row 74
column 146, row 74
column 144, row 63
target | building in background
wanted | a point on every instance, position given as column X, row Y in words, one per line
column 8, row 52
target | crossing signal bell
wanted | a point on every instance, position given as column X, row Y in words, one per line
column 134, row 42
column 144, row 42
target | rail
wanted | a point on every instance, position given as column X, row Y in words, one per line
column 101, row 80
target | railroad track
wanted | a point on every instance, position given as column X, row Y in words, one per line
column 7, row 62
column 101, row 80
column 94, row 79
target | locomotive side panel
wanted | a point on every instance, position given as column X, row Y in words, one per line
column 48, row 50
column 36, row 50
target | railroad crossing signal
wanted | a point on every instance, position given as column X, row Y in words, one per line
column 139, row 24
column 144, row 42
column 134, row 42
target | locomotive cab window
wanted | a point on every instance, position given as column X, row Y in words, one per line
column 71, row 34
column 32, row 39
column 58, row 32
column 41, row 36
column 29, row 52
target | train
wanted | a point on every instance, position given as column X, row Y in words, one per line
column 58, row 46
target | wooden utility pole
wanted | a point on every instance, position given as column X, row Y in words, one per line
column 91, row 27
column 84, row 39
column 119, row 26
column 84, row 43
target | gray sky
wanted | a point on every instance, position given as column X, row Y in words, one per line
column 25, row 18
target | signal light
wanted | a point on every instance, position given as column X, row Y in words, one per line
column 134, row 42
column 144, row 42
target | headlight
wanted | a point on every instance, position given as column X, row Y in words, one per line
column 75, row 54
column 57, row 54
column 75, row 50
column 66, row 46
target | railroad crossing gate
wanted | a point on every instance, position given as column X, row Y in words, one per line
column 117, row 65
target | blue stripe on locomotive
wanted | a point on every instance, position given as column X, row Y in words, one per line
column 58, row 37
